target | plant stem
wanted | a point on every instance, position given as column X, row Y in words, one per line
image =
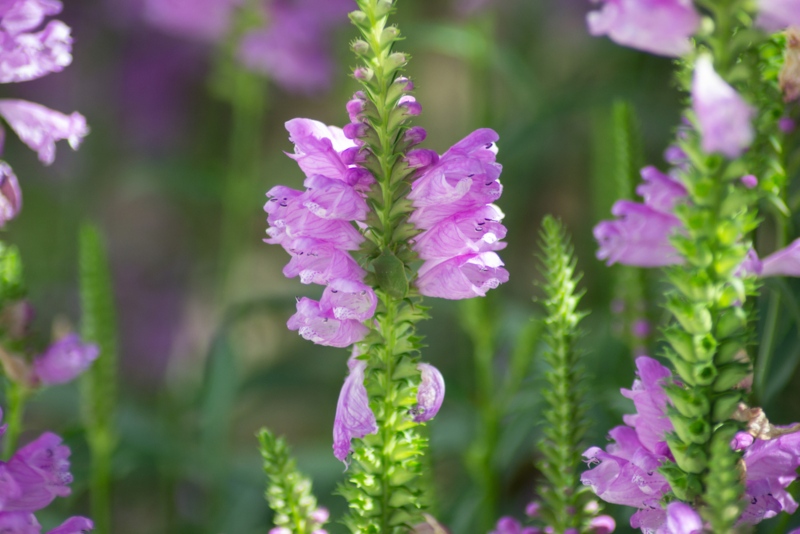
column 16, row 398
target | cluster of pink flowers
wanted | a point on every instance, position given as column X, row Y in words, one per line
column 453, row 197
column 602, row 524
column 34, row 476
column 291, row 46
column 28, row 55
column 626, row 472
column 314, row 227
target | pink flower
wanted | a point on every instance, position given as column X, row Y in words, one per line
column 64, row 360
column 682, row 519
column 430, row 393
column 40, row 127
column 658, row 26
column 640, row 235
column 354, row 418
column 74, row 525
column 723, row 117
column 28, row 56
column 348, row 299
column 10, row 194
column 321, row 327
column 41, row 469
column 462, row 277
column 466, row 232
column 319, row 262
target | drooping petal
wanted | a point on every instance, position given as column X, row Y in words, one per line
column 40, row 127
column 462, row 277
column 682, row 519
column 723, row 116
column 74, row 525
column 354, row 417
column 22, row 522
column 41, row 468
column 639, row 237
column 430, row 393
column 28, row 56
column 348, row 299
column 776, row 15
column 661, row 27
column 602, row 524
column 785, row 262
column 64, row 360
column 322, row 328
column 9, row 489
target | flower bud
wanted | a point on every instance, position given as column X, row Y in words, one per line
column 389, row 36
column 691, row 430
column 395, row 61
column 691, row 458
column 688, row 402
column 414, row 135
column 749, row 181
column 358, row 17
column 383, row 8
column 10, row 194
column 725, row 405
column 410, row 105
column 731, row 375
column 356, row 130
column 360, row 47
column 694, row 318
column 363, row 73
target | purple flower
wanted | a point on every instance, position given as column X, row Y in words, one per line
column 749, row 181
column 658, row 26
column 293, row 49
column 776, row 15
column 10, row 194
column 28, row 56
column 348, row 299
column 319, row 262
column 19, row 523
column 318, row 148
column 321, row 327
column 509, row 525
column 682, row 519
column 627, row 471
column 723, row 117
column 41, row 469
column 602, row 524
column 354, row 418
column 40, row 127
column 785, row 262
column 466, row 232
column 430, row 393
column 74, row 525
column 64, row 360
column 205, row 20
column 640, row 235
column 462, row 277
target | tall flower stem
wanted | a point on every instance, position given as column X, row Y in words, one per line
column 384, row 490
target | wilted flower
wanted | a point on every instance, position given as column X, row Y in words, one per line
column 723, row 117
column 354, row 418
column 658, row 26
column 40, row 127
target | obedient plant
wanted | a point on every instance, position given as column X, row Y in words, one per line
column 694, row 443
column 375, row 203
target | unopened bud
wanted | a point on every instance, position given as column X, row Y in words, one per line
column 383, row 8
column 360, row 47
column 749, row 181
column 363, row 73
column 396, row 60
column 358, row 17
column 389, row 36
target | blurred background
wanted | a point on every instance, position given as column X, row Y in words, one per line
column 187, row 136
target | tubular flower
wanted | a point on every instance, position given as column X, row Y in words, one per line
column 354, row 418
column 627, row 471
column 34, row 476
column 64, row 360
column 723, row 117
column 661, row 27
column 453, row 197
column 28, row 55
column 315, row 227
column 640, row 235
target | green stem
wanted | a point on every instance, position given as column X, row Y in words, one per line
column 16, row 398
